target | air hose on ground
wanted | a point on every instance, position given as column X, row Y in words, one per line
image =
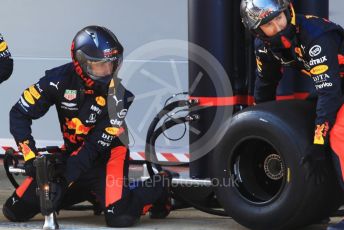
column 148, row 148
column 152, row 136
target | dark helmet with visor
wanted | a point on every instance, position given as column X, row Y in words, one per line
column 255, row 13
column 96, row 44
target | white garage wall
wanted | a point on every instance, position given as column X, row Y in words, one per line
column 39, row 34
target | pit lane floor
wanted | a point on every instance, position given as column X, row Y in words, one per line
column 180, row 219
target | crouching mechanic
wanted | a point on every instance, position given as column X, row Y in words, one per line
column 6, row 62
column 315, row 47
column 91, row 104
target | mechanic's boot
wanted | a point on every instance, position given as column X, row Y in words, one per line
column 162, row 207
column 338, row 226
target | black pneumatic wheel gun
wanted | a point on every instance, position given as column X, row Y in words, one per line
column 46, row 177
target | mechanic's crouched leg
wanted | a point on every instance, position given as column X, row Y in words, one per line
column 151, row 196
column 23, row 204
column 124, row 202
column 123, row 213
column 122, row 207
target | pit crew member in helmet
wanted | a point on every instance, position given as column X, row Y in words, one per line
column 91, row 104
column 314, row 46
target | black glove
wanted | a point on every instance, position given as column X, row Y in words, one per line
column 315, row 163
column 30, row 169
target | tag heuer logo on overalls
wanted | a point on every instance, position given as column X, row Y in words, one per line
column 70, row 94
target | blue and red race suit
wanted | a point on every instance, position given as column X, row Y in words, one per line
column 318, row 53
column 86, row 126
column 95, row 141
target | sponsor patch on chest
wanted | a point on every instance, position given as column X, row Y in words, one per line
column 70, row 94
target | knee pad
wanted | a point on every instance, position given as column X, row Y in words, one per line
column 17, row 210
column 123, row 213
column 120, row 221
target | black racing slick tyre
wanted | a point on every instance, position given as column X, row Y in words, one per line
column 256, row 168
